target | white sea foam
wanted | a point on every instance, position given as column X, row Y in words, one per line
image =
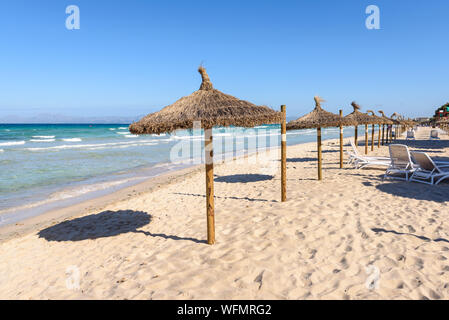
column 131, row 136
column 112, row 129
column 122, row 132
column 44, row 137
column 1, row 150
column 73, row 192
column 187, row 137
column 123, row 128
column 223, row 134
column 12, row 143
column 72, row 140
column 42, row 140
column 89, row 146
column 123, row 146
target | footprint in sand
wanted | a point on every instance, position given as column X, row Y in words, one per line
column 259, row 279
column 300, row 235
column 312, row 253
column 344, row 263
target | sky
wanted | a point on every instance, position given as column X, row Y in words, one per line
column 134, row 57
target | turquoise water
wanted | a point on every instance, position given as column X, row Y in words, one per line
column 50, row 164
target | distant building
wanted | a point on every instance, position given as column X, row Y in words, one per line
column 442, row 112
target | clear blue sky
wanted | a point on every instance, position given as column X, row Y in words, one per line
column 134, row 57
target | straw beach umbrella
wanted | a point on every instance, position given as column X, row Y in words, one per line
column 318, row 119
column 211, row 108
column 359, row 118
column 378, row 122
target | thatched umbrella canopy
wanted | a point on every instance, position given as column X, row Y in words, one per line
column 208, row 105
column 211, row 108
column 395, row 118
column 359, row 118
column 317, row 119
column 378, row 120
column 385, row 119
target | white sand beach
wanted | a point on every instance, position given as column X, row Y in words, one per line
column 350, row 236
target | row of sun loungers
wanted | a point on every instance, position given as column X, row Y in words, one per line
column 411, row 135
column 403, row 164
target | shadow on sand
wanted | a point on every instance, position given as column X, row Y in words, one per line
column 306, row 159
column 380, row 230
column 218, row 197
column 416, row 191
column 243, row 178
column 429, row 145
column 103, row 225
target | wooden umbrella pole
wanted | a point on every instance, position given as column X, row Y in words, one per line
column 383, row 134
column 284, row 155
column 209, row 157
column 366, row 139
column 378, row 142
column 320, row 173
column 388, row 134
column 356, row 133
column 341, row 141
column 373, row 127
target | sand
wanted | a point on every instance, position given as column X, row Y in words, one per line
column 350, row 236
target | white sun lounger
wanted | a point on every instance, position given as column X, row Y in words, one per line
column 401, row 163
column 429, row 170
column 359, row 161
column 434, row 134
column 410, row 135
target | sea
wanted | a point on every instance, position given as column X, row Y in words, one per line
column 50, row 166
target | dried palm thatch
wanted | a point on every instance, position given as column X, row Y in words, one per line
column 395, row 118
column 318, row 118
column 208, row 105
column 378, row 119
column 395, row 115
column 385, row 119
column 358, row 117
